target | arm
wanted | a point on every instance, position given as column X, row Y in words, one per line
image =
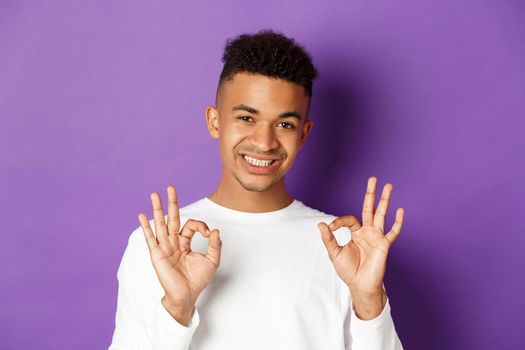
column 141, row 321
column 361, row 265
column 371, row 333
column 160, row 279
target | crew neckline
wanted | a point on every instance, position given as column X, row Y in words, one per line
column 249, row 216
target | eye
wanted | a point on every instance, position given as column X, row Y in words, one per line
column 246, row 118
column 287, row 125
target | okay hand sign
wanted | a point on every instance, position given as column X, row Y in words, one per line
column 182, row 272
column 361, row 263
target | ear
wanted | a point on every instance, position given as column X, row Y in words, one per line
column 212, row 121
column 307, row 127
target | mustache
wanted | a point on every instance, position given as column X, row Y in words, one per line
column 254, row 150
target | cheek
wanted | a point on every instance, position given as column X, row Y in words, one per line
column 291, row 144
column 230, row 136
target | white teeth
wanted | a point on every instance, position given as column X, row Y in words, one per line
column 257, row 162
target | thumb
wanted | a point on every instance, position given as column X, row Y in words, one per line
column 214, row 247
column 329, row 240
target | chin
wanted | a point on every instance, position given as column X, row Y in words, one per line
column 255, row 186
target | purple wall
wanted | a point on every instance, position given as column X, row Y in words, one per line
column 102, row 102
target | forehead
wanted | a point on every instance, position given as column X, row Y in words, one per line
column 268, row 95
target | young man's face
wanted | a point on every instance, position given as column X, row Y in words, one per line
column 261, row 125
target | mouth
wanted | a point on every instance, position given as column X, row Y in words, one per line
column 260, row 166
column 258, row 162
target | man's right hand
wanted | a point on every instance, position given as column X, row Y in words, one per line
column 182, row 273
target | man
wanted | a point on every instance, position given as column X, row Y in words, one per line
column 271, row 274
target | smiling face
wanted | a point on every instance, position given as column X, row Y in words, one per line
column 261, row 125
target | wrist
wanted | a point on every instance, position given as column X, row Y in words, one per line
column 368, row 305
column 180, row 312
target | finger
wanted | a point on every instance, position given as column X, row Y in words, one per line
column 382, row 207
column 158, row 216
column 332, row 247
column 398, row 225
column 148, row 233
column 214, row 248
column 189, row 229
column 173, row 212
column 349, row 221
column 368, row 204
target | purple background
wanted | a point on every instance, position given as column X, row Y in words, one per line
column 102, row 103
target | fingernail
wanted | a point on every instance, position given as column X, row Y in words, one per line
column 332, row 225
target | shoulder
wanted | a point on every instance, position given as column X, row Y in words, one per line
column 312, row 213
column 195, row 209
column 315, row 216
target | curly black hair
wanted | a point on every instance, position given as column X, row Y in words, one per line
column 269, row 53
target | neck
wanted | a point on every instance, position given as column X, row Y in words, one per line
column 231, row 194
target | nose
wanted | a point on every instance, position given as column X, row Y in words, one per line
column 263, row 137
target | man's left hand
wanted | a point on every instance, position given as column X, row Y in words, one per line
column 361, row 263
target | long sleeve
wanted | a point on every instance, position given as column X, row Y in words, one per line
column 141, row 321
column 378, row 333
column 375, row 334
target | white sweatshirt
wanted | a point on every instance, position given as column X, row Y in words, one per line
column 274, row 289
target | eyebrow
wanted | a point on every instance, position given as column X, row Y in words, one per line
column 290, row 114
